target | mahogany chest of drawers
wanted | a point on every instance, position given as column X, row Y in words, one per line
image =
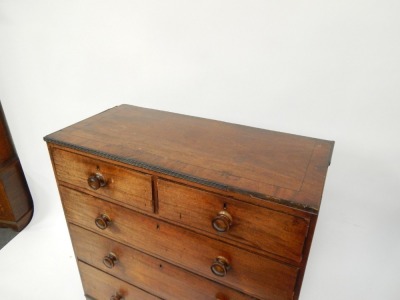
column 166, row 206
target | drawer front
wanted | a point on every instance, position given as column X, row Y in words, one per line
column 101, row 286
column 121, row 184
column 250, row 273
column 259, row 227
column 146, row 272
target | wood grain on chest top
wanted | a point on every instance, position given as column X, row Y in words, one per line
column 262, row 163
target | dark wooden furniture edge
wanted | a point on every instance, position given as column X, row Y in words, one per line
column 20, row 223
column 22, row 208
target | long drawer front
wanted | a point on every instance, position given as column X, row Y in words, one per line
column 239, row 269
column 101, row 286
column 144, row 271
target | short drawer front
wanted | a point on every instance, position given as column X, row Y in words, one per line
column 146, row 272
column 250, row 273
column 259, row 227
column 101, row 286
column 121, row 184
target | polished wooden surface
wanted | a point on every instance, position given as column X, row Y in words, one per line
column 258, row 227
column 250, row 273
column 278, row 166
column 188, row 208
column 145, row 271
column 7, row 149
column 101, row 286
column 16, row 205
column 132, row 188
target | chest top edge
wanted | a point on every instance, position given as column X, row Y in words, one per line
column 283, row 168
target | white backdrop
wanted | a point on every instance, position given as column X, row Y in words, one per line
column 326, row 69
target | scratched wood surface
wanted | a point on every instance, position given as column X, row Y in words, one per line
column 262, row 163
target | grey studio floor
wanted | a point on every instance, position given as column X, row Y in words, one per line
column 6, row 235
column 39, row 262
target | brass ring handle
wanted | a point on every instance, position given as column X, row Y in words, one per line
column 220, row 266
column 102, row 221
column 116, row 297
column 222, row 222
column 110, row 260
column 96, row 181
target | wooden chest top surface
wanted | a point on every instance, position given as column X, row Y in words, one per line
column 280, row 167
